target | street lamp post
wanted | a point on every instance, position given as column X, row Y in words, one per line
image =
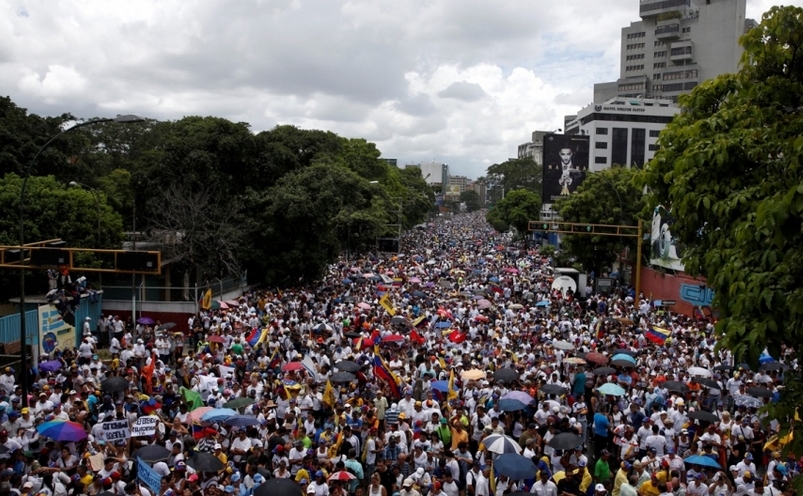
column 123, row 119
column 97, row 206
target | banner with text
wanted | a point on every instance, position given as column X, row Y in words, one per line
column 115, row 430
column 149, row 476
column 145, row 426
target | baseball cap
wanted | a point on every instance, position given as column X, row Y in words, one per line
column 193, row 478
column 218, row 446
column 180, row 465
column 748, row 456
column 408, row 482
column 599, row 487
column 310, row 489
column 229, row 489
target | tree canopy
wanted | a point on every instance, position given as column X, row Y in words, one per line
column 512, row 174
column 730, row 169
column 611, row 196
column 516, row 209
column 275, row 203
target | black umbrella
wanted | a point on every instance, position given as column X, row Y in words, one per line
column 709, row 383
column 279, row 487
column 205, row 462
column 4, row 449
column 239, row 403
column 604, row 370
column 106, row 493
column 352, row 335
column 622, row 363
column 342, row 377
column 419, row 294
column 167, row 326
column 676, row 386
column 704, row 416
column 759, row 392
column 723, row 367
column 553, row 389
column 566, row 441
column 398, row 320
column 506, row 375
column 152, row 453
column 773, row 366
column 114, row 384
column 347, row 366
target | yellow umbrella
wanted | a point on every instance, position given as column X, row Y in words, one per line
column 473, row 375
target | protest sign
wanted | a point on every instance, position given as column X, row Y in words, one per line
column 115, row 430
column 145, row 426
column 149, row 476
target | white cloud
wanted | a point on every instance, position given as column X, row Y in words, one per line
column 462, row 81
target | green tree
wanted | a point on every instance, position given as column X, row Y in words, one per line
column 54, row 210
column 472, row 200
column 309, row 217
column 514, row 173
column 419, row 200
column 731, row 168
column 517, row 209
column 612, row 197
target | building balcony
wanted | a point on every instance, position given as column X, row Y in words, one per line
column 668, row 31
column 653, row 8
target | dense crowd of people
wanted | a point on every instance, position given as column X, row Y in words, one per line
column 451, row 368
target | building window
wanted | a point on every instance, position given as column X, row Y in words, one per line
column 600, row 160
column 654, row 133
column 673, row 87
column 631, row 87
column 654, row 148
column 619, row 146
column 637, row 148
column 684, row 50
column 659, row 65
column 602, row 130
column 659, row 55
column 601, row 145
column 656, row 76
column 687, row 30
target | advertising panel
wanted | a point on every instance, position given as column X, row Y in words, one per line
column 665, row 251
column 54, row 332
column 565, row 165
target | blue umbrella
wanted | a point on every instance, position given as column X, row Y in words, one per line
column 511, row 405
column 622, row 356
column 218, row 414
column 611, row 389
column 543, row 303
column 443, row 324
column 61, row 430
column 493, row 279
column 517, row 467
column 346, row 281
column 241, row 421
column 442, row 386
column 704, row 461
column 50, row 366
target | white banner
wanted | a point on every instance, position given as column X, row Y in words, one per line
column 145, row 426
column 116, row 430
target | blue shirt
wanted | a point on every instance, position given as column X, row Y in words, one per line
column 601, row 424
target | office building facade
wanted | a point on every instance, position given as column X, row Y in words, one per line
column 622, row 131
column 677, row 45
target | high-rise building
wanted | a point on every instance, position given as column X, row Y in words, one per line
column 434, row 173
column 534, row 148
column 675, row 46
column 622, row 130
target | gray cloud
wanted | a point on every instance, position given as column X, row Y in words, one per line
column 463, row 90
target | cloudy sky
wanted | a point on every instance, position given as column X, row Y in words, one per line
column 457, row 81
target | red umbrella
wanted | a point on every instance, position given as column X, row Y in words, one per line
column 445, row 313
column 597, row 358
column 481, row 318
column 341, row 475
column 393, row 338
column 290, row 366
column 216, row 339
column 457, row 337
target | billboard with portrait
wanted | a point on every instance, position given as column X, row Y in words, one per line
column 565, row 165
column 664, row 251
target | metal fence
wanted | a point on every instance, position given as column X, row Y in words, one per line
column 144, row 292
column 10, row 327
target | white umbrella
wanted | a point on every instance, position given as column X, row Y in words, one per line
column 562, row 345
column 699, row 372
column 501, row 444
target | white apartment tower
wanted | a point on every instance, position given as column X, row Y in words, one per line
column 677, row 45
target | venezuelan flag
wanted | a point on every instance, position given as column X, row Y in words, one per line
column 382, row 371
column 254, row 337
column 657, row 335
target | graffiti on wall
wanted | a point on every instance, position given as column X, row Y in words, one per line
column 699, row 296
